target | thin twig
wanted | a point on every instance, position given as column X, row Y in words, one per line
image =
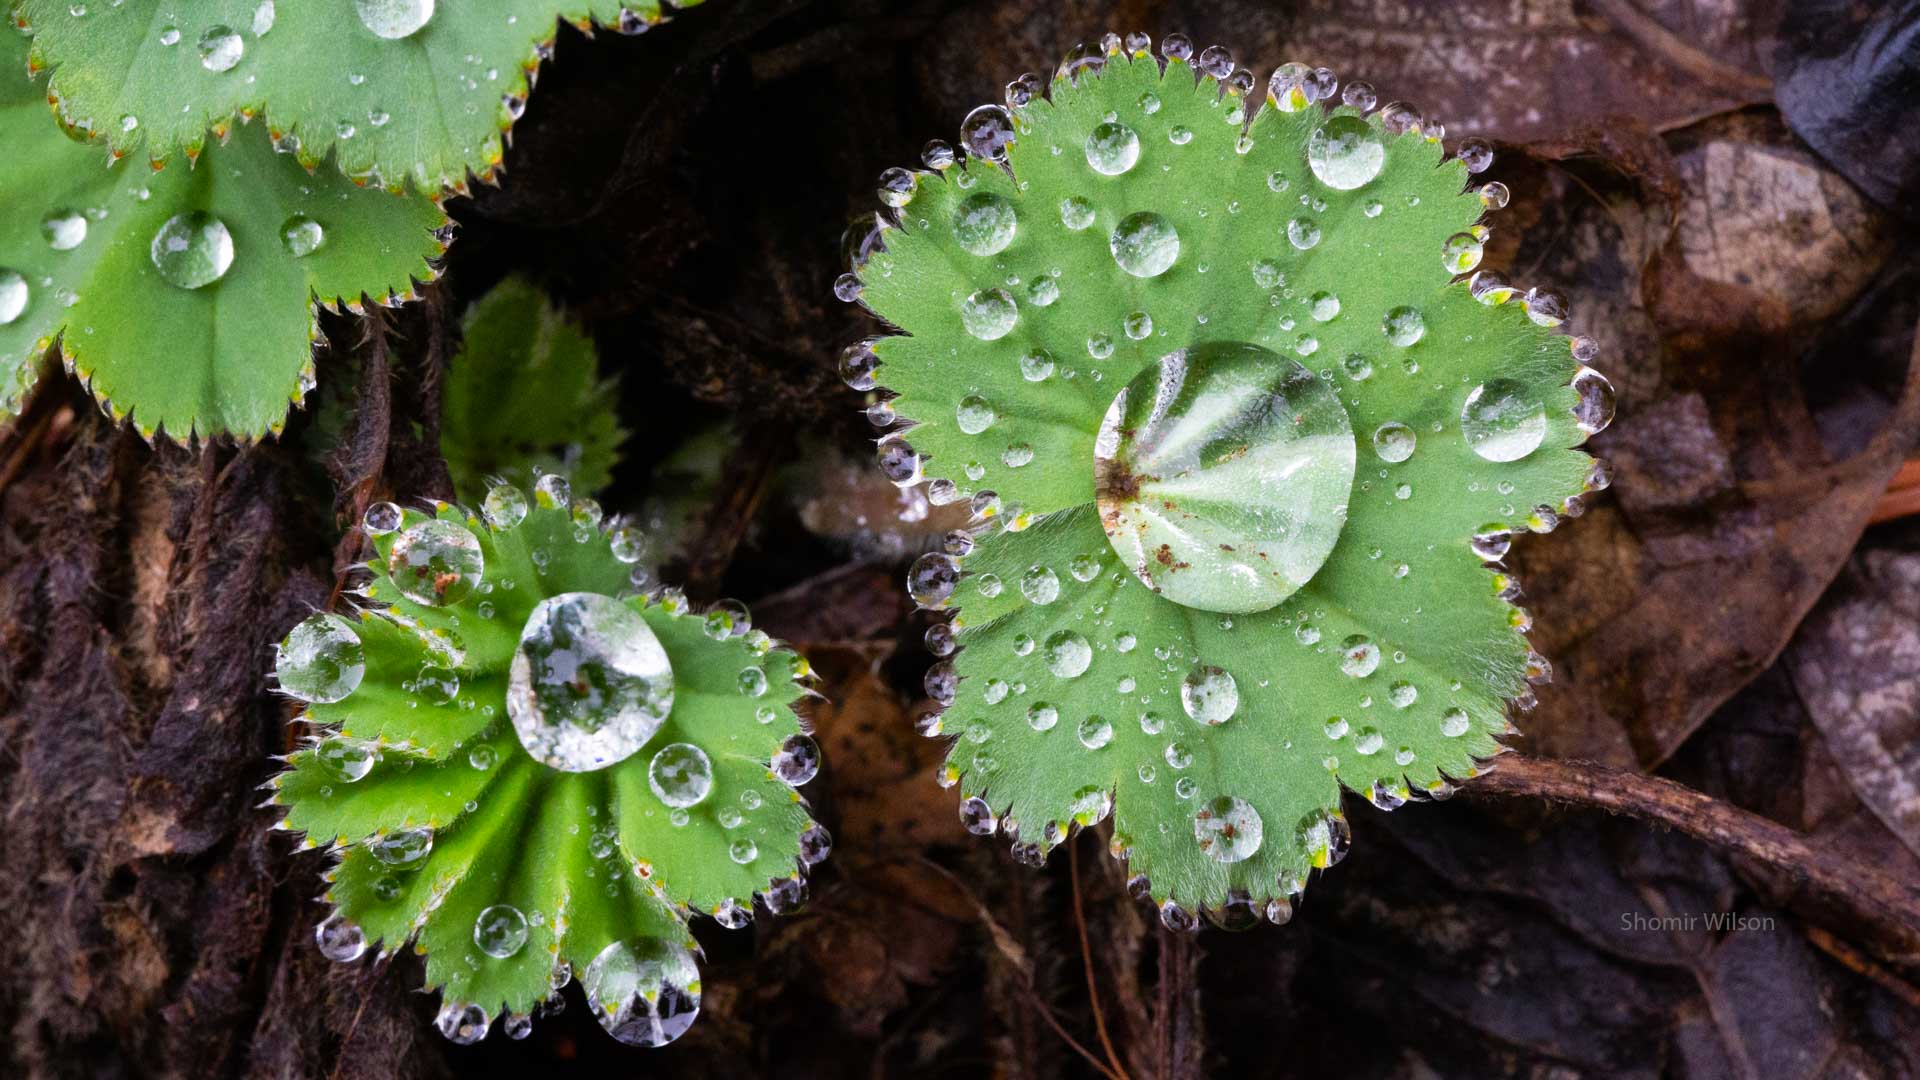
column 1017, row 957
column 1086, row 956
column 1865, row 896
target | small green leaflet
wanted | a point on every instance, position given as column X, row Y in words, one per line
column 398, row 91
column 184, row 297
column 1304, row 377
column 524, row 398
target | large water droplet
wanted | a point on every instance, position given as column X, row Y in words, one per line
column 974, row 414
column 64, row 230
column 505, row 506
column 13, row 295
column 1040, row 585
column 589, row 684
column 321, row 661
column 1228, row 829
column 984, row 223
column 349, row 760
column 1502, row 421
column 1359, row 656
column 394, row 19
column 989, row 314
column 301, row 235
column 797, row 761
column 1145, row 244
column 1112, row 148
column 987, row 132
column 463, row 1024
column 1346, row 152
column 402, row 849
column 1067, row 654
column 645, row 992
column 1404, row 326
column 1592, row 412
column 1210, row 695
column 1095, row 732
column 436, row 563
column 500, row 931
column 192, row 249
column 1222, row 473
column 221, row 48
column 681, row 775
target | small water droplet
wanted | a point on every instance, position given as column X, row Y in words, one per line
column 301, row 235
column 500, row 931
column 221, row 48
column 192, row 249
column 1112, row 148
column 394, row 19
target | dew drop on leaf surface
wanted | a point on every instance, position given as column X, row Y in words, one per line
column 394, row 19
column 1221, row 474
column 192, row 249
column 589, row 684
column 436, row 563
column 1228, row 829
column 14, row 294
column 321, row 661
column 680, row 775
column 1346, row 152
column 500, row 931
column 1502, row 421
column 644, row 992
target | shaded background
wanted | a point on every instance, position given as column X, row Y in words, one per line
column 1725, row 192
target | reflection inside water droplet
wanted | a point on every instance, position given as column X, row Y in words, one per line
column 1222, row 473
column 589, row 684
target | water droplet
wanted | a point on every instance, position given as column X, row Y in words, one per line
column 64, row 230
column 321, row 660
column 1095, row 732
column 169, row 35
column 752, row 681
column 797, row 761
column 348, row 760
column 394, row 19
column 984, row 223
column 1303, row 233
column 500, row 931
column 1067, row 654
column 1036, row 366
column 589, row 683
column 1210, row 695
column 977, row 817
column 192, row 249
column 1404, row 326
column 462, row 1024
column 1359, row 656
column 644, row 992
column 989, row 314
column 986, row 133
column 1138, row 326
column 263, row 18
column 680, row 775
column 14, row 294
column 301, row 235
column 340, row 941
column 1090, row 806
column 435, row 563
column 1228, row 829
column 1394, row 441
column 1145, row 244
column 1112, row 148
column 504, row 507
column 1454, row 723
column 1476, row 154
column 1042, row 716
column 1076, row 213
column 1461, row 253
column 974, row 414
column 221, row 48
column 1490, row 287
column 1346, row 152
column 932, row 578
column 1592, row 412
column 1040, row 585
column 1502, row 421
column 1220, row 473
column 402, row 849
column 1546, row 308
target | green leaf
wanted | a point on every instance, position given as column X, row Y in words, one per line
column 524, row 398
column 453, row 829
column 227, row 356
column 426, row 108
column 1255, row 580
